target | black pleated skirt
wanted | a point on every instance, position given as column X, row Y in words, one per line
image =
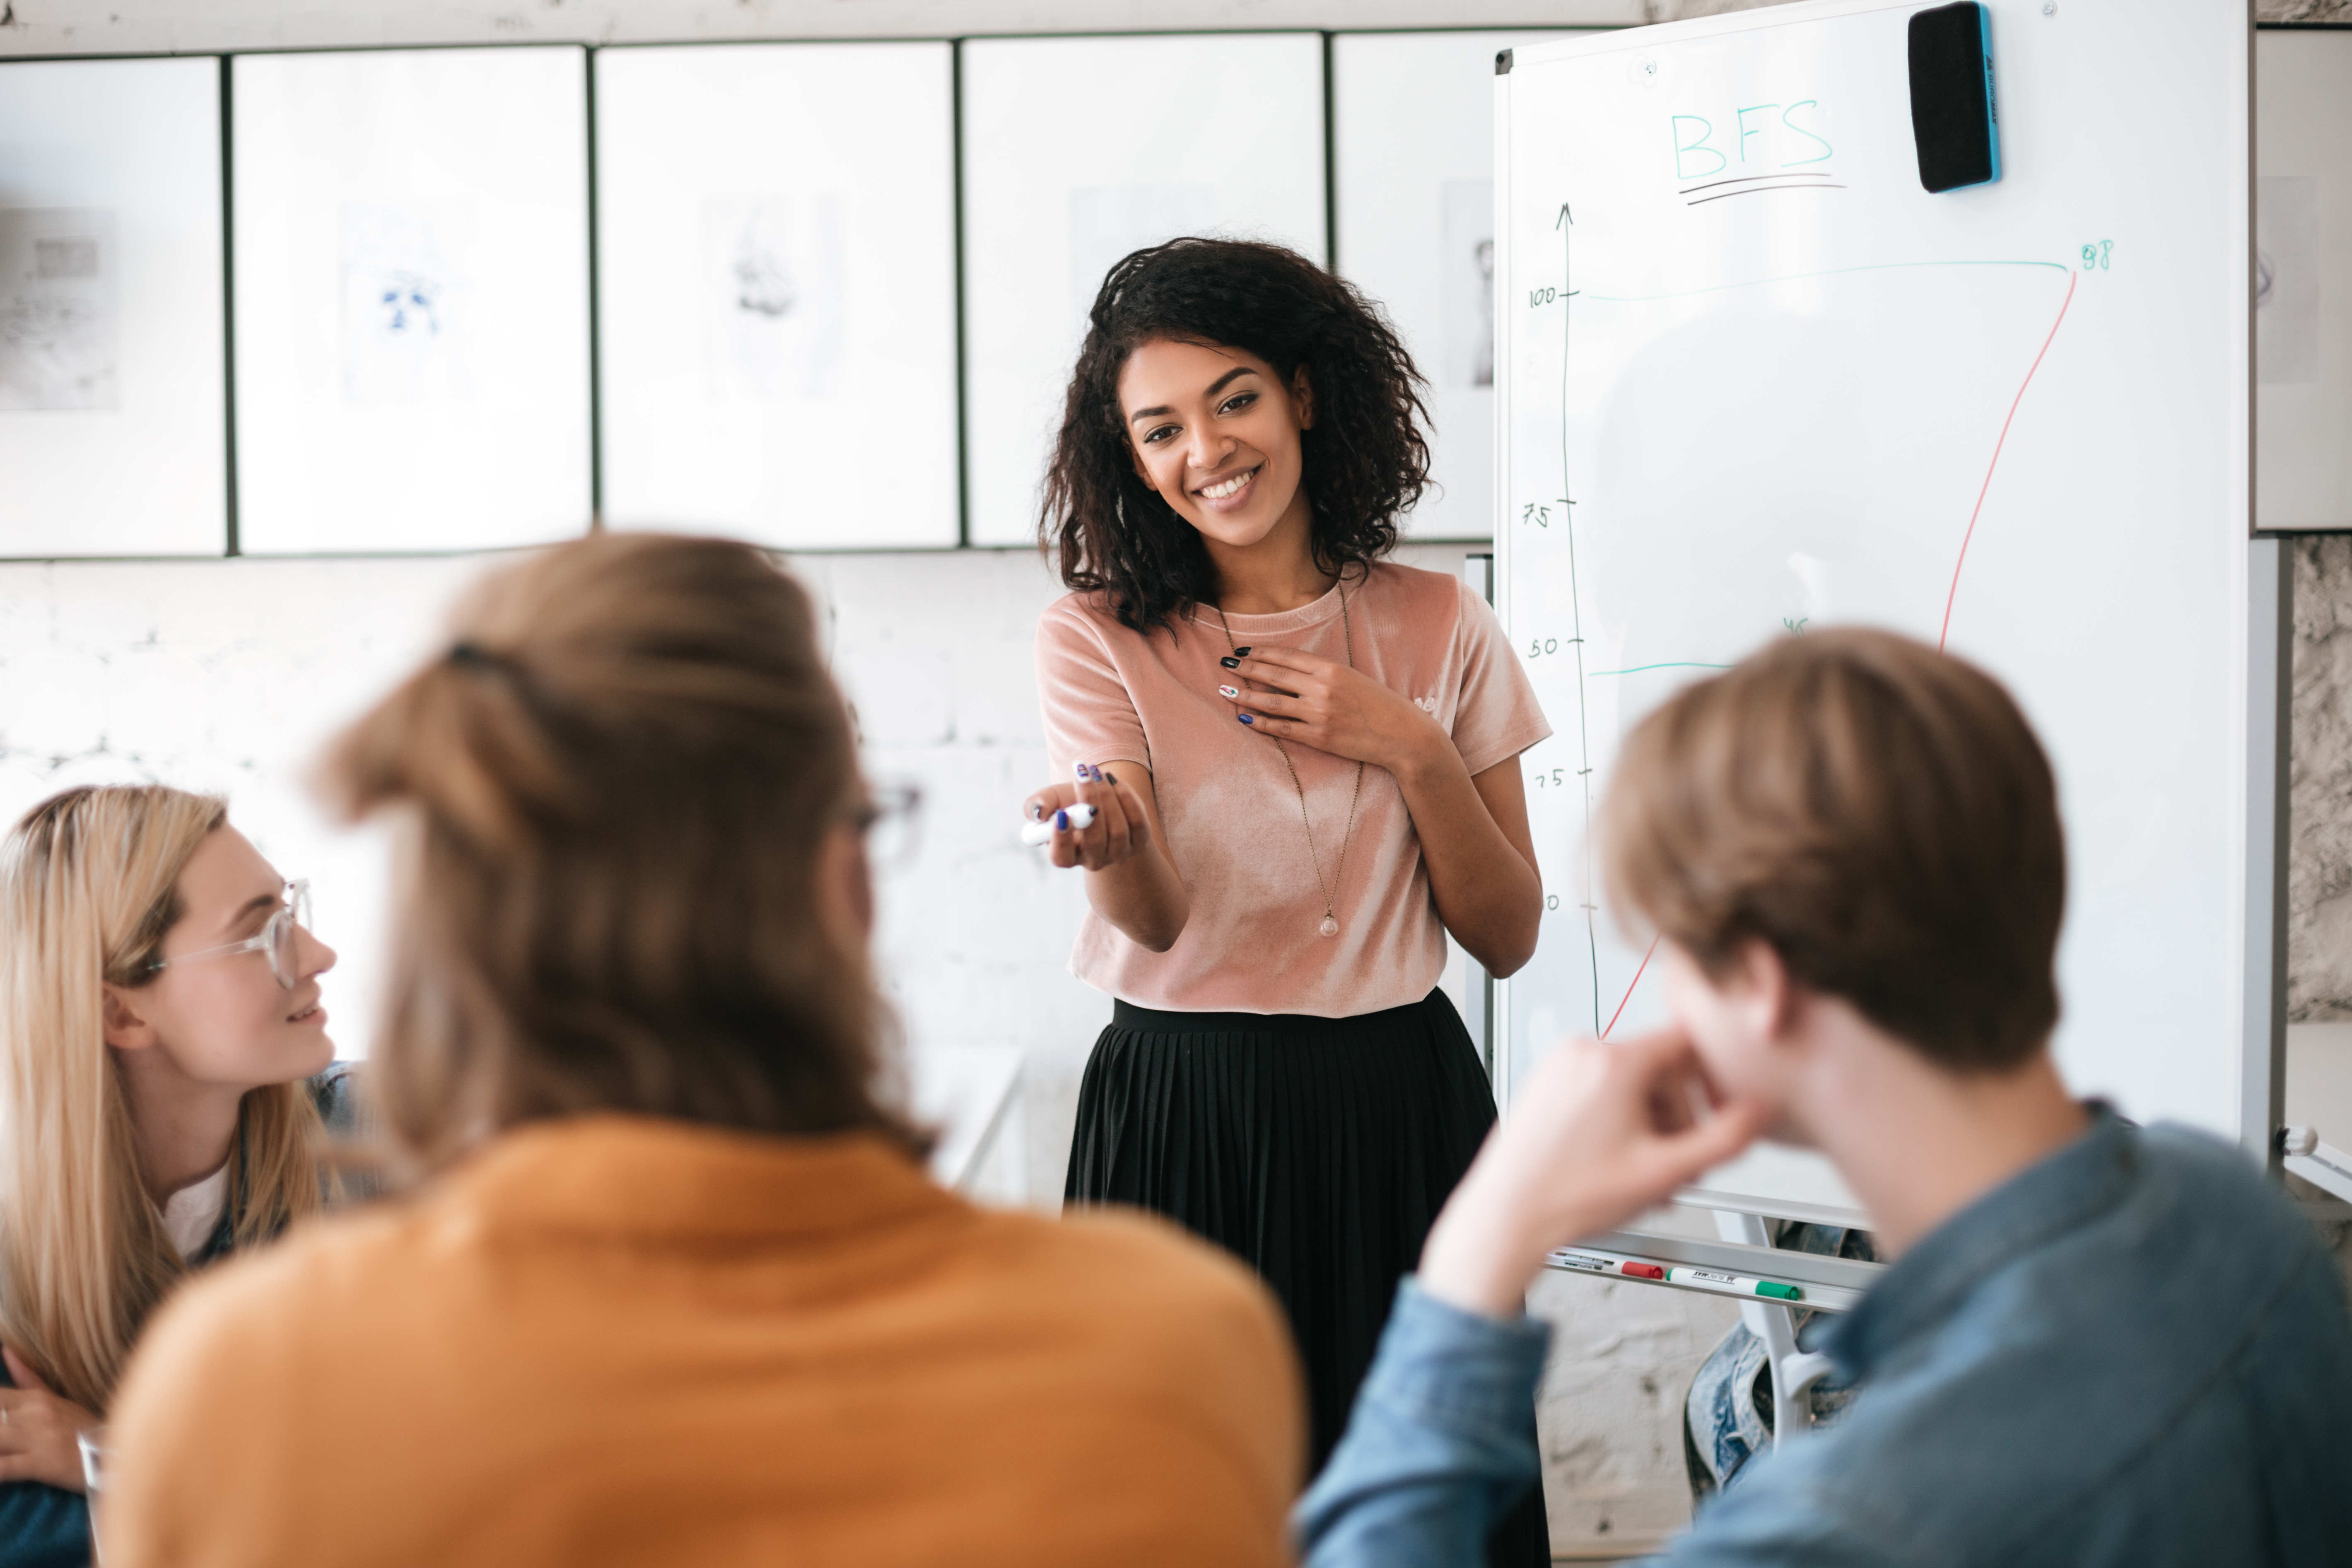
column 1318, row 1151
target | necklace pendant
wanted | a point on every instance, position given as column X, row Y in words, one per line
column 1329, row 927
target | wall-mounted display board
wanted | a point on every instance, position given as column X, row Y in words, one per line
column 113, row 420
column 1077, row 151
column 411, row 254
column 776, row 291
column 1757, row 381
column 2303, row 278
column 1412, row 154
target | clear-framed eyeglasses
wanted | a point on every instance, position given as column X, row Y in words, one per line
column 892, row 823
column 276, row 938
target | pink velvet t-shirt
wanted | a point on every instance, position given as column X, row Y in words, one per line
column 1231, row 817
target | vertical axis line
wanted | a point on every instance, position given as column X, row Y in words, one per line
column 1567, row 226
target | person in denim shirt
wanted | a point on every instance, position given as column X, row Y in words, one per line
column 2098, row 1343
column 159, row 1028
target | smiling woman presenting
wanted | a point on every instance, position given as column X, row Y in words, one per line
column 1303, row 762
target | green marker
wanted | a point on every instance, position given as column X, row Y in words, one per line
column 1733, row 1284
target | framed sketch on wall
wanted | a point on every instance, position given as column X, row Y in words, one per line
column 113, row 412
column 2302, row 279
column 1077, row 151
column 776, row 291
column 410, row 244
column 1413, row 154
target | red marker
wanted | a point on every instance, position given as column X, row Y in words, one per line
column 1642, row 1270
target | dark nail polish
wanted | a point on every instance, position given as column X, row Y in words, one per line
column 1061, row 821
column 1231, row 663
column 1110, row 779
column 1247, row 720
column 1241, row 653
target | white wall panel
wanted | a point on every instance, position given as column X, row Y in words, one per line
column 1077, row 151
column 411, row 253
column 776, row 291
column 113, row 418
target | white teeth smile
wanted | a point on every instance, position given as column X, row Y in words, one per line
column 1230, row 487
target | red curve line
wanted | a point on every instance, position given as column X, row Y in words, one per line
column 2072, row 278
column 1629, row 990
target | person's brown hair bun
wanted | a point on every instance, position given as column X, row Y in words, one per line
column 1877, row 812
column 617, row 784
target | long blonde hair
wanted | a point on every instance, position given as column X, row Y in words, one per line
column 89, row 886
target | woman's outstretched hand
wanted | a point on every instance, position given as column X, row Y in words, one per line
column 1323, row 703
column 1121, row 828
column 1601, row 1131
column 39, row 1439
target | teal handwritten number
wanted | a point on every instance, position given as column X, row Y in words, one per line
column 2095, row 255
column 1808, row 135
column 1682, row 148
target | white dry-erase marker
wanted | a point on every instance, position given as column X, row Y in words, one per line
column 1043, row 831
column 1733, row 1284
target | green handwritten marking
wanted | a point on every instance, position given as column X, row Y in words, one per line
column 1741, row 116
column 1674, row 664
column 1800, row 276
column 1706, row 129
column 1826, row 148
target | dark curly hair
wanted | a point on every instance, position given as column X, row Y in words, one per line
column 1364, row 460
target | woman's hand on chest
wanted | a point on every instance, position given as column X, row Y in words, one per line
column 1323, row 703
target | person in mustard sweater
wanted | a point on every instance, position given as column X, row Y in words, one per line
column 674, row 1286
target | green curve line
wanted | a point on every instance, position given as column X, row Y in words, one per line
column 1671, row 664
column 1800, row 276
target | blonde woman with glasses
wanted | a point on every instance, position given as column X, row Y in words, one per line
column 159, row 1017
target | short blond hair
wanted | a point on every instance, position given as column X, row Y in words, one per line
column 1879, row 814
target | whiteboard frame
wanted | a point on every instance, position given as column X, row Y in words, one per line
column 1021, row 160
column 149, row 477
column 868, row 161
column 2262, row 725
column 513, row 464
column 2298, row 412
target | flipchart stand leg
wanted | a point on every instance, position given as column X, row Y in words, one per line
column 1794, row 1371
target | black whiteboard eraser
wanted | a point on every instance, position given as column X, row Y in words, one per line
column 1503, row 62
column 1953, row 118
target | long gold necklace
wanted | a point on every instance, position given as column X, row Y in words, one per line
column 1330, row 926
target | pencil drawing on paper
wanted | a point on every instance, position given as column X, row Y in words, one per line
column 776, row 304
column 58, row 331
column 1469, row 240
column 408, row 286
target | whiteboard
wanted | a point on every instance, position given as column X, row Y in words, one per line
column 114, row 400
column 1780, row 387
column 2302, row 279
column 411, row 246
column 776, row 291
column 1077, row 151
column 1412, row 158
